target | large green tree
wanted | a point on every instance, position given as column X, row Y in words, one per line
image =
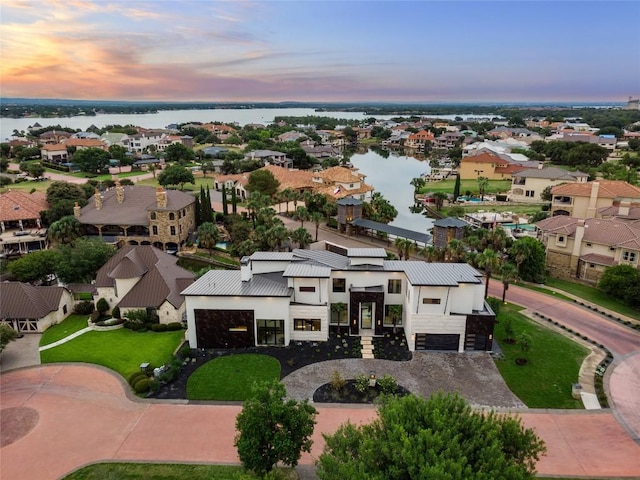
column 622, row 282
column 441, row 437
column 7, row 335
column 92, row 160
column 379, row 209
column 272, row 429
column 80, row 262
column 262, row 181
column 35, row 266
column 175, row 175
column 529, row 256
column 177, row 152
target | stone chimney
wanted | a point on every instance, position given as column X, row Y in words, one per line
column 98, row 199
column 161, row 197
column 119, row 192
column 245, row 269
column 76, row 210
column 623, row 209
column 577, row 241
column 593, row 200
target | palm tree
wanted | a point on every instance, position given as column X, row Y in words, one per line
column 65, row 230
column 301, row 236
column 316, row 218
column 431, row 253
column 489, row 260
column 519, row 252
column 302, row 214
column 208, row 236
column 454, row 250
column 276, row 236
column 483, row 183
column 404, row 246
column 509, row 274
column 287, row 195
column 417, row 183
column 439, row 198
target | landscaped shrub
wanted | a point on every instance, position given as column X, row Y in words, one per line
column 154, row 385
column 84, row 308
column 95, row 316
column 102, row 306
column 332, row 223
column 337, row 382
column 388, row 384
column 159, row 327
column 135, row 376
column 362, row 382
column 495, row 304
column 115, row 312
column 141, row 386
column 174, row 326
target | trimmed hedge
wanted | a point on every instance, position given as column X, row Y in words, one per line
column 141, row 386
column 84, row 308
column 135, row 376
column 174, row 326
column 159, row 327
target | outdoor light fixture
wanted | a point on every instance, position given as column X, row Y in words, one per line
column 372, row 380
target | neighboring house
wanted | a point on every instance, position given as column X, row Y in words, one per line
column 292, row 136
column 214, row 151
column 280, row 297
column 508, row 132
column 236, row 181
column 54, row 152
column 270, row 157
column 321, row 152
column 143, row 277
column 581, row 249
column 82, row 143
column 583, row 200
column 448, row 140
column 138, row 142
column 114, row 138
column 31, row 309
column 167, row 140
column 342, row 182
column 527, row 185
column 490, row 165
column 447, row 229
column 53, row 136
column 419, row 140
column 21, row 229
column 137, row 215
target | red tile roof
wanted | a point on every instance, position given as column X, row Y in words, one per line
column 18, row 205
column 608, row 189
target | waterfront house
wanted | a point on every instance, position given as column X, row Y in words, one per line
column 527, row 185
column 281, row 297
column 583, row 200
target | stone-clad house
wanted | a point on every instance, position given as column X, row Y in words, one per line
column 581, row 249
column 33, row 309
column 140, row 215
column 583, row 200
column 144, row 278
column 280, row 297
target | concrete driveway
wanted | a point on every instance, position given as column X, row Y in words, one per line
column 23, row 352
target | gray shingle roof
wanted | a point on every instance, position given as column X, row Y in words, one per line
column 551, row 173
column 225, row 283
column 450, row 222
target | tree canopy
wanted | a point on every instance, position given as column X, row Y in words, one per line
column 273, row 430
column 175, row 175
column 7, row 335
column 262, row 181
column 177, row 152
column 92, row 160
column 622, row 282
column 441, row 437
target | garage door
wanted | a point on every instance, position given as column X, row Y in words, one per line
column 224, row 328
column 431, row 341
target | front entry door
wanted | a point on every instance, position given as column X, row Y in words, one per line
column 367, row 312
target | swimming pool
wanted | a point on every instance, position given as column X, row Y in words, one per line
column 523, row 226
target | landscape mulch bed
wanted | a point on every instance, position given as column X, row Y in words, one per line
column 349, row 394
column 293, row 357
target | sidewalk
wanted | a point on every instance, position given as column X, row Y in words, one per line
column 65, row 339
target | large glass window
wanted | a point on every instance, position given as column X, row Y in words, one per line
column 629, row 256
column 307, row 289
column 395, row 286
column 307, row 324
column 270, row 332
column 392, row 313
column 339, row 285
column 431, row 301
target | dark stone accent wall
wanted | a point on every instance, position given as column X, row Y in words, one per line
column 481, row 325
column 213, row 328
column 355, row 299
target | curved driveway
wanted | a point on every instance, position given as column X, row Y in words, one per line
column 624, row 373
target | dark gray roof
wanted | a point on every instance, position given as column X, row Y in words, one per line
column 138, row 200
column 227, row 283
column 397, row 231
column 324, row 257
column 21, row 300
column 161, row 279
column 551, row 173
column 450, row 222
column 435, row 274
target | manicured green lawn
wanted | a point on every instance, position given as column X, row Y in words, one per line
column 446, row 186
column 554, row 363
column 593, row 295
column 231, row 377
column 165, row 471
column 69, row 325
column 120, row 350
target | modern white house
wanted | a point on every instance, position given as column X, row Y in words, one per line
column 280, row 297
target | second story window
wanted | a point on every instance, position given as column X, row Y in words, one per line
column 629, row 256
column 172, row 216
column 339, row 285
column 306, row 289
column 155, row 230
column 395, row 286
column 153, row 215
column 173, row 230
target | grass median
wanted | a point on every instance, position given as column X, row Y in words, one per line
column 553, row 362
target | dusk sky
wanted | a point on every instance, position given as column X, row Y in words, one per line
column 417, row 51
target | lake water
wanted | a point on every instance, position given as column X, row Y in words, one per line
column 391, row 177
column 166, row 117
